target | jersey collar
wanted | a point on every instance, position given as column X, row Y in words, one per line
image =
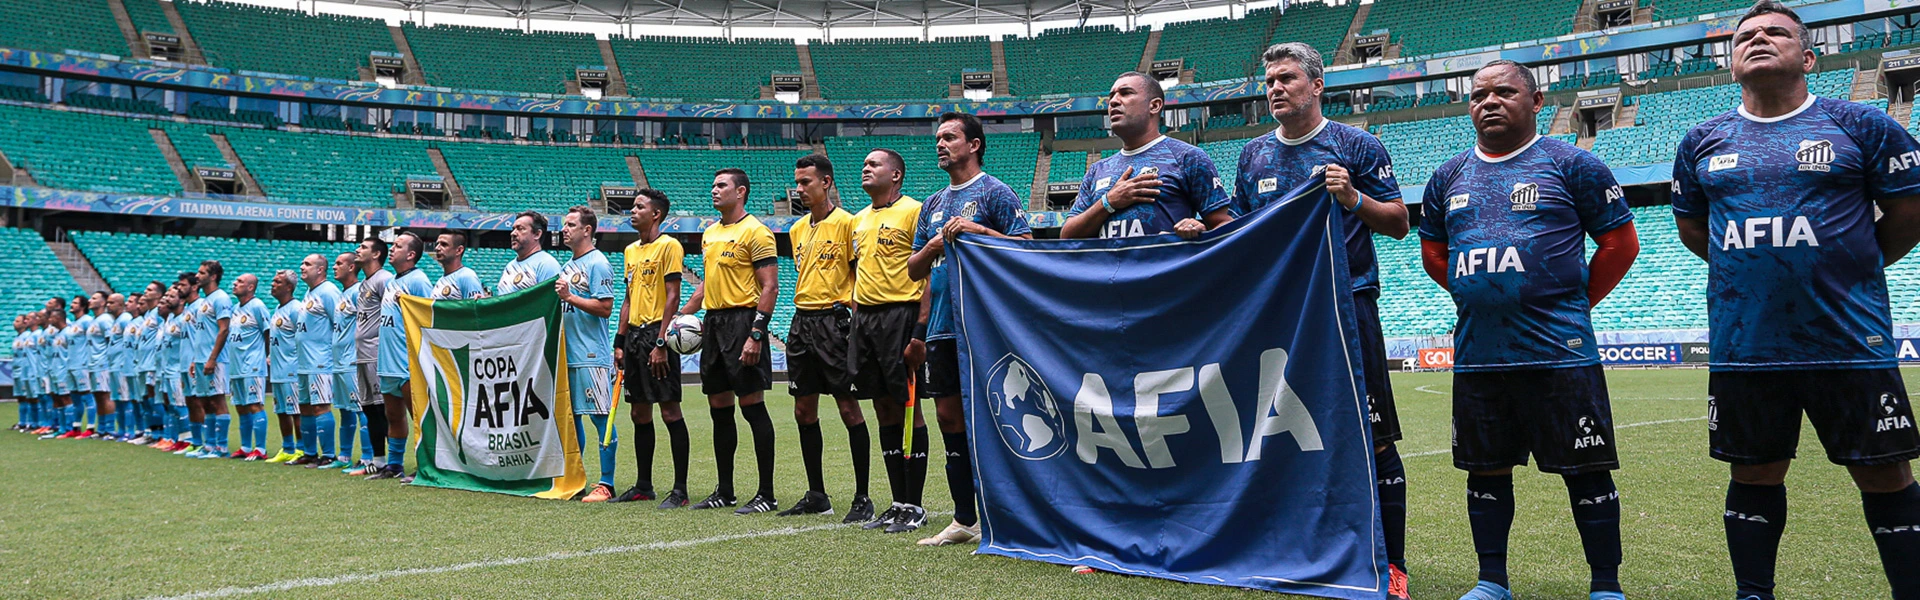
column 1143, row 147
column 1791, row 114
column 1482, row 155
column 1277, row 135
column 967, row 183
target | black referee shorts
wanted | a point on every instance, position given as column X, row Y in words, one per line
column 1373, row 355
column 940, row 377
column 1862, row 415
column 1562, row 417
column 720, row 368
column 881, row 334
column 642, row 386
column 819, row 360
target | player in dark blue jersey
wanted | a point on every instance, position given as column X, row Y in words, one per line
column 1779, row 196
column 1156, row 184
column 1504, row 229
column 1359, row 176
column 972, row 203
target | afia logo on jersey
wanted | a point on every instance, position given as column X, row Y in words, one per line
column 1098, row 185
column 1498, row 259
column 1587, row 437
column 1779, row 232
column 1525, row 196
column 1908, row 160
column 1457, row 202
column 1723, row 162
column 1815, row 155
column 1123, row 228
column 1269, row 184
column 1890, row 417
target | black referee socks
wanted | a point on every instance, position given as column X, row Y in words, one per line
column 762, row 426
column 726, row 437
column 681, row 446
column 862, row 456
column 810, row 448
column 894, row 460
column 643, row 455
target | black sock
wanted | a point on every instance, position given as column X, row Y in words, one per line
column 915, row 466
column 1596, row 513
column 810, row 449
column 643, row 455
column 1393, row 503
column 1892, row 517
column 762, row 426
column 1756, row 516
column 377, row 427
column 681, row 447
column 862, row 456
column 960, row 479
column 894, row 460
column 726, row 437
column 1490, row 512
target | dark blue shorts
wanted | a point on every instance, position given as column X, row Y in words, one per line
column 1373, row 355
column 1862, row 415
column 1562, row 417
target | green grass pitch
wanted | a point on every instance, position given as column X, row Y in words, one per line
column 99, row 520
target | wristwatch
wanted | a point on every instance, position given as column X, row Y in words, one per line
column 757, row 335
column 659, row 342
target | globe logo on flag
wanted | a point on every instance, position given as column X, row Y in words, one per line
column 1025, row 412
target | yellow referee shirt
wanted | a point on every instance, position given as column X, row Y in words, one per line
column 823, row 254
column 648, row 266
column 729, row 253
column 882, row 241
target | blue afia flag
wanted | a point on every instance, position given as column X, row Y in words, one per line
column 1184, row 409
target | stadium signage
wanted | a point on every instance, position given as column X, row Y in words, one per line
column 1072, row 187
column 976, row 77
column 1596, row 101
column 163, row 38
column 387, row 61
column 1370, row 40
column 787, row 80
column 1170, row 64
column 1900, row 63
column 427, row 186
column 1613, row 5
column 612, row 192
column 209, row 173
column 1434, row 358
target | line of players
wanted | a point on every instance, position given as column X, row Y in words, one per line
column 1800, row 318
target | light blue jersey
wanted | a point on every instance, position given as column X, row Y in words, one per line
column 319, row 311
column 588, row 276
column 523, row 274
column 173, row 344
column 247, row 341
column 147, row 343
column 344, row 329
column 284, row 355
column 123, row 355
column 462, row 284
column 393, row 327
column 99, row 336
column 214, row 307
column 75, row 342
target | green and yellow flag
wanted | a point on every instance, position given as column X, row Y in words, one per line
column 490, row 395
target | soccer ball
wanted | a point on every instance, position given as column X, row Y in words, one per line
column 683, row 335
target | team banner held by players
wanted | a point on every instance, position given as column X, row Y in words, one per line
column 1189, row 410
column 489, row 398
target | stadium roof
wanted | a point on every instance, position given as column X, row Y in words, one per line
column 799, row 13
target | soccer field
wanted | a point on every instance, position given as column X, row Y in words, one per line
column 96, row 520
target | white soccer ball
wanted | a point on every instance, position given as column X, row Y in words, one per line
column 684, row 334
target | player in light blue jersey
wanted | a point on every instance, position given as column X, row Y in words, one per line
column 459, row 282
column 145, row 348
column 393, row 364
column 1799, row 204
column 585, row 287
column 530, row 266
column 80, row 393
column 23, row 372
column 1359, row 176
column 1504, row 230
column 99, row 344
column 1156, row 184
column 247, row 357
column 120, row 370
column 171, row 377
column 283, row 365
column 319, row 311
column 207, row 377
column 973, row 203
column 346, row 385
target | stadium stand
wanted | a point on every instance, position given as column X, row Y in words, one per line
column 147, row 15
column 85, row 25
column 1432, row 26
column 258, row 38
column 191, row 141
column 1071, row 60
column 88, row 152
column 485, row 58
column 319, row 168
column 1220, row 48
column 1418, row 147
column 701, row 68
column 896, row 69
column 1669, row 9
column 687, row 176
column 1663, row 118
column 512, row 178
column 1010, row 157
column 1318, row 24
column 32, row 275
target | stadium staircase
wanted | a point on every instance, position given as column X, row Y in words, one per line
column 616, row 81
column 809, row 83
column 1146, row 54
column 1867, row 85
column 188, row 182
column 456, row 197
column 1042, row 164
column 414, row 75
column 240, row 171
column 78, row 266
column 188, row 47
column 1000, row 89
column 1344, row 55
column 639, row 172
column 135, row 41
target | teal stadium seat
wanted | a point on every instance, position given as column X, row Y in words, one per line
column 1433, row 26
column 1071, row 60
column 512, row 178
column 32, row 273
column 1316, row 24
column 1219, row 48
column 257, row 38
column 487, row 58
column 85, row 25
column 896, row 69
column 330, row 169
column 701, row 68
column 86, row 152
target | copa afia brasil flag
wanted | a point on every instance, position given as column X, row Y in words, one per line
column 1184, row 409
column 490, row 395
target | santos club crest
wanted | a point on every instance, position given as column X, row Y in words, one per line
column 1025, row 411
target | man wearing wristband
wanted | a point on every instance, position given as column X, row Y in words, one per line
column 738, row 294
column 1155, row 185
column 585, row 288
column 640, row 348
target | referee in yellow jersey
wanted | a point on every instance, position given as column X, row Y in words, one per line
column 737, row 293
column 887, row 307
column 640, row 347
column 817, row 354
